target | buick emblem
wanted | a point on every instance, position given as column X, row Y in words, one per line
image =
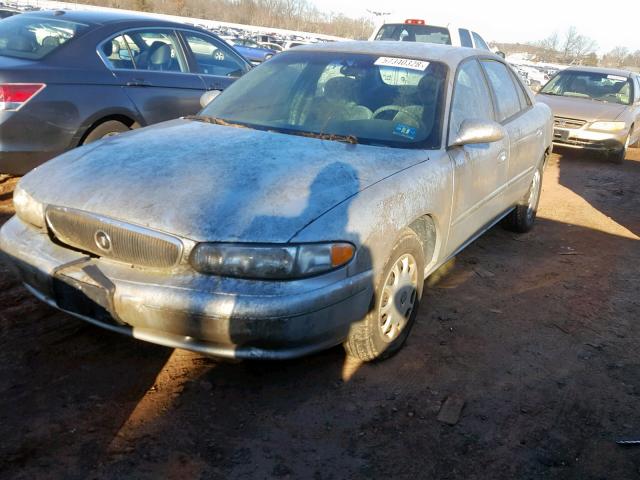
column 103, row 241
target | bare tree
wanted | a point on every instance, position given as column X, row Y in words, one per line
column 551, row 43
column 575, row 46
column 616, row 58
column 286, row 14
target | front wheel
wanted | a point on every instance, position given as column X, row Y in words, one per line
column 394, row 306
column 522, row 217
column 620, row 155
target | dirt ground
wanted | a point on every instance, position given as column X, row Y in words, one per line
column 538, row 334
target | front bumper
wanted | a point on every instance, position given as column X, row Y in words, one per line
column 182, row 309
column 590, row 140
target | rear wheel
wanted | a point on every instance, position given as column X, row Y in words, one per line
column 105, row 129
column 394, row 306
column 522, row 218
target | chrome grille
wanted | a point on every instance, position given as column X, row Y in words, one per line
column 562, row 122
column 109, row 238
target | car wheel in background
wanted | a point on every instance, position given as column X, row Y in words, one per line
column 522, row 217
column 619, row 156
column 105, row 129
column 395, row 303
column 637, row 143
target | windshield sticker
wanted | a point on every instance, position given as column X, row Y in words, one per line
column 616, row 77
column 405, row 131
column 402, row 63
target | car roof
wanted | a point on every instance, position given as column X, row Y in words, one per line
column 604, row 71
column 425, row 51
column 102, row 17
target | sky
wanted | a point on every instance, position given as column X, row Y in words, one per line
column 515, row 20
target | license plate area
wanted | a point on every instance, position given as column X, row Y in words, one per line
column 560, row 134
column 83, row 289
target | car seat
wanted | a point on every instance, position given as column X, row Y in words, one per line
column 427, row 95
column 337, row 103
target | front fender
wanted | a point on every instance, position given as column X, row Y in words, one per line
column 374, row 218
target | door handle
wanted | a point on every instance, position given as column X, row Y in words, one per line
column 502, row 157
column 137, row 82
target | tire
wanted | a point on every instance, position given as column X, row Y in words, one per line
column 105, row 129
column 620, row 155
column 637, row 143
column 384, row 330
column 522, row 218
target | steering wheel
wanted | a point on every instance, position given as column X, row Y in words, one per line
column 399, row 109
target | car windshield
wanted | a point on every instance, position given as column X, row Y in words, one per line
column 28, row 37
column 602, row 87
column 368, row 99
column 414, row 33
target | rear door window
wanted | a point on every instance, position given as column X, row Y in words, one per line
column 213, row 57
column 118, row 53
column 32, row 38
column 153, row 49
column 465, row 38
column 525, row 101
column 505, row 93
column 480, row 43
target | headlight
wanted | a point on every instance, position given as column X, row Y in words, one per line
column 27, row 208
column 277, row 262
column 608, row 126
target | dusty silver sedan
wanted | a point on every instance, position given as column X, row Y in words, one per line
column 301, row 209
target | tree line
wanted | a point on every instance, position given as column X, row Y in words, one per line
column 298, row 15
column 573, row 48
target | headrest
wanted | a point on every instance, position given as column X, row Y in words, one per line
column 50, row 42
column 162, row 55
column 429, row 88
column 340, row 89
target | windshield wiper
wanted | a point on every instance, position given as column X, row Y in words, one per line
column 350, row 139
column 213, row 120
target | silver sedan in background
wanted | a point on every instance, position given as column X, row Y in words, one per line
column 301, row 209
column 595, row 109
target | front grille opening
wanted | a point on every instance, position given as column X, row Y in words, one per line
column 109, row 238
column 563, row 122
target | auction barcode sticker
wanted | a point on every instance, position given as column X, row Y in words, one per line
column 617, row 77
column 402, row 63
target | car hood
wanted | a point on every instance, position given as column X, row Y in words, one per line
column 214, row 183
column 581, row 108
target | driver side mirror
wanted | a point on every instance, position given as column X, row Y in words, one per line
column 473, row 132
column 208, row 97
